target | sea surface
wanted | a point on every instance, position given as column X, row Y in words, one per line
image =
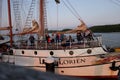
column 111, row 39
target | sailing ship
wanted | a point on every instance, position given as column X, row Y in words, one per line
column 89, row 58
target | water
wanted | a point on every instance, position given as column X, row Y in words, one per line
column 111, row 39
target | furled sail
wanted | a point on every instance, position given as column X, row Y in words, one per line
column 33, row 29
column 81, row 27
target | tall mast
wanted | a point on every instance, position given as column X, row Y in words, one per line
column 10, row 23
column 0, row 12
column 42, row 17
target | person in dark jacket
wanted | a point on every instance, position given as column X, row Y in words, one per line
column 79, row 36
column 32, row 40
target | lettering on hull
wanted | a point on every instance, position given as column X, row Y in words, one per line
column 66, row 61
column 72, row 61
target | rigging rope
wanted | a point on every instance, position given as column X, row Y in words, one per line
column 22, row 8
column 57, row 16
column 72, row 9
column 0, row 13
column 116, row 2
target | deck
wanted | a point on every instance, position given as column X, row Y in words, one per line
column 57, row 46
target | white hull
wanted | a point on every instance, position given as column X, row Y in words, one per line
column 80, row 63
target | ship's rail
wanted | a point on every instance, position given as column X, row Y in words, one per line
column 42, row 44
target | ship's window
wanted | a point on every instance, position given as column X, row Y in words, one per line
column 71, row 52
column 23, row 52
column 51, row 53
column 35, row 52
column 62, row 71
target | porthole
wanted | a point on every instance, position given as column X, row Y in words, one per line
column 62, row 71
column 51, row 53
column 35, row 52
column 89, row 51
column 23, row 52
column 71, row 52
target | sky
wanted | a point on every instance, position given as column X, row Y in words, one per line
column 92, row 12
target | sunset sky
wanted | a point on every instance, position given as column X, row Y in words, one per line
column 92, row 12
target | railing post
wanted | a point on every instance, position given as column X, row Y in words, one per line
column 70, row 44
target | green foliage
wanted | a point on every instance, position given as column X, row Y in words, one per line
column 101, row 28
column 106, row 28
column 51, row 31
column 65, row 29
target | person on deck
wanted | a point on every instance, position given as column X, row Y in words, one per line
column 53, row 40
column 48, row 38
column 1, row 37
column 63, row 43
column 79, row 36
column 70, row 38
column 88, row 35
column 32, row 40
column 57, row 38
column 62, row 37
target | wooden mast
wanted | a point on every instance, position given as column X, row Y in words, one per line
column 41, row 18
column 10, row 22
column 0, row 12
